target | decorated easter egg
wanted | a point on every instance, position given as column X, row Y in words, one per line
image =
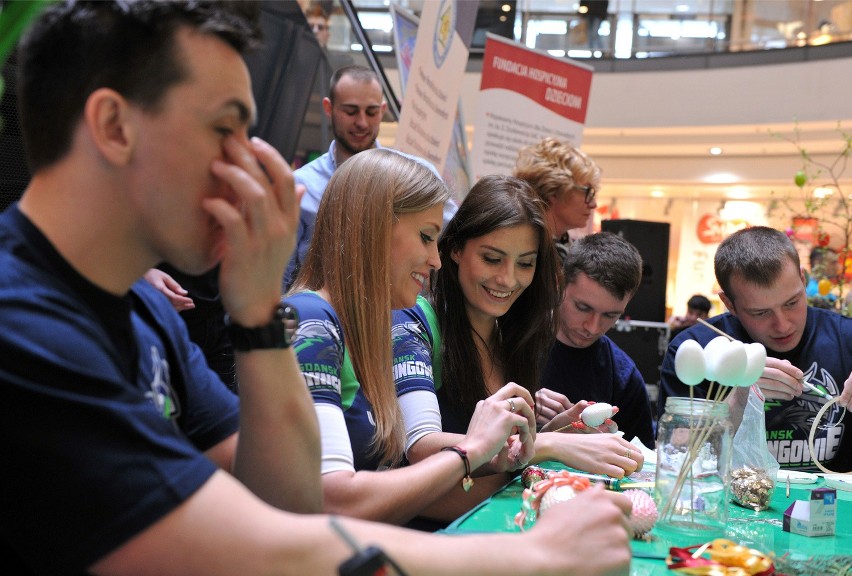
column 644, row 514
column 689, row 363
column 555, row 495
column 531, row 475
column 713, row 350
column 595, row 414
column 755, row 364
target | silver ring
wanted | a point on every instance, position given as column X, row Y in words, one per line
column 511, row 405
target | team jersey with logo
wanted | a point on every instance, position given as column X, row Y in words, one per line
column 824, row 355
column 110, row 405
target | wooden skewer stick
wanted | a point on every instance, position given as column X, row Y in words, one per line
column 716, row 330
column 696, row 440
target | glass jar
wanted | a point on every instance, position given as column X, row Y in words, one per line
column 694, row 438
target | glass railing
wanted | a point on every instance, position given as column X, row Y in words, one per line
column 635, row 34
column 630, row 29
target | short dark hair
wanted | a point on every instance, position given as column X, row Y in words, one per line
column 354, row 71
column 606, row 258
column 699, row 302
column 74, row 48
column 756, row 254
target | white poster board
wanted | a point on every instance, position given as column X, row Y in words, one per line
column 434, row 81
column 456, row 172
column 524, row 96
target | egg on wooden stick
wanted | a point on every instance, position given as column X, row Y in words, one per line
column 713, row 352
column 690, row 365
column 596, row 413
column 756, row 353
column 730, row 363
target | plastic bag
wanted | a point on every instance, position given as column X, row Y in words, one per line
column 753, row 467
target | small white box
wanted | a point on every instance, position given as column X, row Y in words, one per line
column 814, row 517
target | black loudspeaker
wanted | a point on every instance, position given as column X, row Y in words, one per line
column 652, row 241
column 14, row 172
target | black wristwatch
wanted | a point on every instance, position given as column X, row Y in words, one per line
column 279, row 333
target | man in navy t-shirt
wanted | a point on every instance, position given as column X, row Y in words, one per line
column 763, row 287
column 121, row 441
column 602, row 272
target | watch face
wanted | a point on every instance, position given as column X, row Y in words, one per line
column 290, row 319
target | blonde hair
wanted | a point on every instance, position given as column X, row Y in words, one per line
column 553, row 166
column 349, row 257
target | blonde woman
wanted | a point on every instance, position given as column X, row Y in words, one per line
column 373, row 250
column 566, row 179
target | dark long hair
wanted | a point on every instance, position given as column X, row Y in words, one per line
column 527, row 330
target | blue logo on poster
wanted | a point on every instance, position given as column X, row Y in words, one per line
column 444, row 31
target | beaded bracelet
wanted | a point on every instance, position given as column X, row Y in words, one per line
column 467, row 481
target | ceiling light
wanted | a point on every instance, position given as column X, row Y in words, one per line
column 739, row 193
column 506, row 8
column 742, row 211
column 715, row 151
column 657, row 193
column 721, row 178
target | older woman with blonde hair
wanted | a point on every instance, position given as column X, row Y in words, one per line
column 373, row 250
column 566, row 179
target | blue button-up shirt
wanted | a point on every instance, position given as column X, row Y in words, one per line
column 315, row 176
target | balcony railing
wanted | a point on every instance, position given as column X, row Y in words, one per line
column 631, row 29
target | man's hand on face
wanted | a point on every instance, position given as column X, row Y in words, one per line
column 259, row 224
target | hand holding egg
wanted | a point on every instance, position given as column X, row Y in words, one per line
column 597, row 417
column 596, row 413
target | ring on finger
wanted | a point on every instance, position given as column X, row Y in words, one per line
column 511, row 405
column 627, row 455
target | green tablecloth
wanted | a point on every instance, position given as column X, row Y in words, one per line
column 759, row 530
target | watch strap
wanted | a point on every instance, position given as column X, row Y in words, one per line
column 278, row 333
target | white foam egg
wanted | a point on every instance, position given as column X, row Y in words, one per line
column 713, row 350
column 731, row 364
column 595, row 414
column 756, row 354
column 689, row 363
